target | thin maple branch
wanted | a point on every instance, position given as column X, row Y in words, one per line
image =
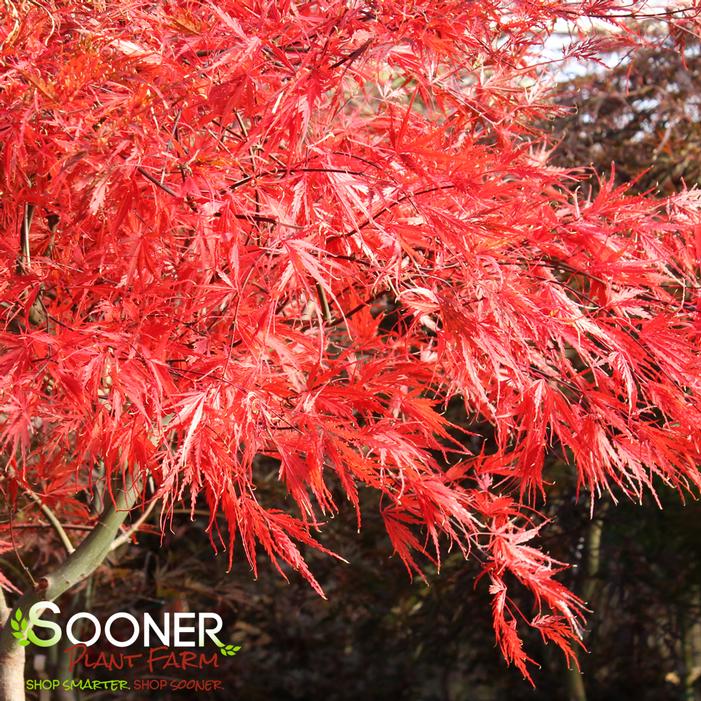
column 668, row 12
column 260, row 218
column 196, row 512
column 16, row 24
column 53, row 520
column 41, row 526
column 390, row 206
column 227, row 129
column 247, row 217
column 242, row 126
column 293, row 169
column 352, row 55
column 156, row 182
column 357, row 308
column 324, row 302
column 15, row 549
column 134, row 528
column 24, row 260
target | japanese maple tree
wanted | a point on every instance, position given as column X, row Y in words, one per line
column 298, row 230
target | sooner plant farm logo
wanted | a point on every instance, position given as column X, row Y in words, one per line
column 160, row 644
column 179, row 630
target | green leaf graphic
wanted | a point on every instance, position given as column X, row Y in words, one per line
column 229, row 650
column 19, row 626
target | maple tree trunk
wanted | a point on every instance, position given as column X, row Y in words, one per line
column 576, row 690
column 11, row 663
column 63, row 671
column 76, row 567
column 691, row 645
column 12, row 674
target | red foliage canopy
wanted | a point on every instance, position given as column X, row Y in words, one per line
column 299, row 229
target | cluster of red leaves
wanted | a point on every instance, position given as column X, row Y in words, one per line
column 298, row 229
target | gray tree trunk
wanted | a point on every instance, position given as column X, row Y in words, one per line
column 76, row 567
column 12, row 674
column 574, row 681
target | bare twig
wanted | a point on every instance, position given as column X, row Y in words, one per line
column 53, row 520
column 133, row 529
column 156, row 181
column 328, row 317
column 40, row 526
column 24, row 260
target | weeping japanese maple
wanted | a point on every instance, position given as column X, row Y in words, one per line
column 298, row 230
